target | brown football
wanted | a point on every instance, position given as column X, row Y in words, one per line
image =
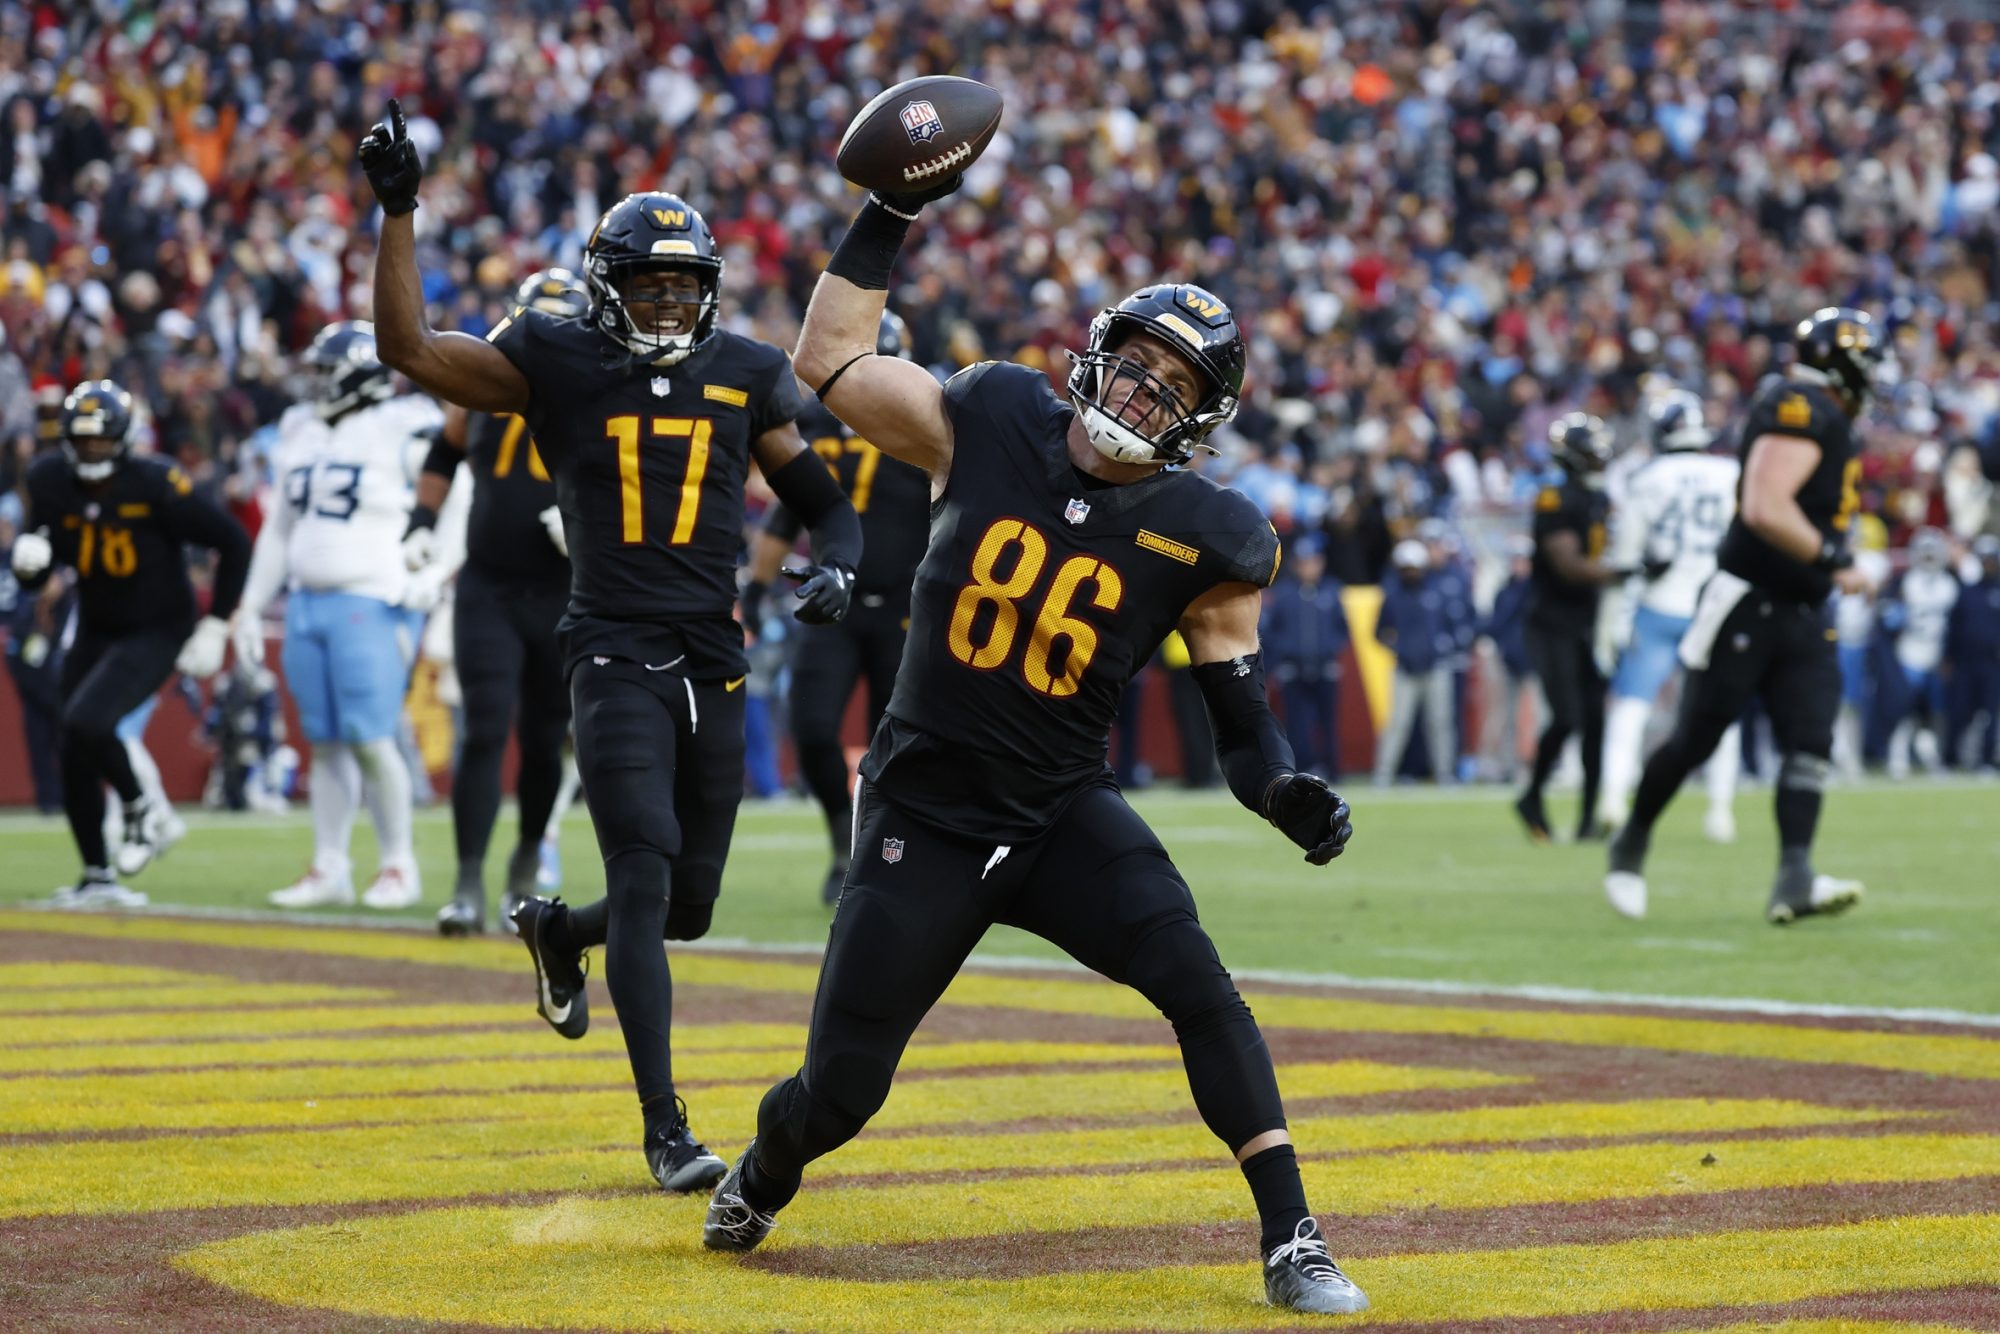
column 918, row 133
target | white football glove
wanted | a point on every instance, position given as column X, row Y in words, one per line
column 420, row 547
column 425, row 588
column 552, row 523
column 32, row 554
column 201, row 657
column 247, row 635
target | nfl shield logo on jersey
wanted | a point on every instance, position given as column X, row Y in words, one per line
column 661, row 386
column 1077, row 511
column 922, row 122
column 892, row 849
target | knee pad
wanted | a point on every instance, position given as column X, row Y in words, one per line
column 1175, row 966
column 1804, row 773
column 688, row 921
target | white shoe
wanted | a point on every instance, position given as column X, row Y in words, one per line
column 148, row 834
column 1627, row 892
column 1720, row 825
column 88, row 893
column 394, row 887
column 1612, row 811
column 315, row 889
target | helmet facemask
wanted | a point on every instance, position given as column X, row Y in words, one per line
column 100, row 415
column 647, row 305
column 350, row 373
column 1130, row 411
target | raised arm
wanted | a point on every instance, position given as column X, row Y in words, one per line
column 894, row 403
column 452, row 366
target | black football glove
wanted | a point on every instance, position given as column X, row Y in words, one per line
column 1312, row 815
column 823, row 593
column 908, row 203
column 390, row 161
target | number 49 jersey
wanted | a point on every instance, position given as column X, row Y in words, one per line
column 350, row 484
column 649, row 464
column 1676, row 509
column 1039, row 597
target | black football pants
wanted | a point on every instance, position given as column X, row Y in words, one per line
column 1567, row 668
column 826, row 663
column 661, row 759
column 511, row 672
column 103, row 679
column 917, row 900
column 1777, row 651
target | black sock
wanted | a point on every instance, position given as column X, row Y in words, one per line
column 759, row 1192
column 581, row 929
column 1273, row 1175
column 662, row 1115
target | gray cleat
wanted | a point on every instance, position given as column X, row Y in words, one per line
column 1301, row 1276
column 733, row 1224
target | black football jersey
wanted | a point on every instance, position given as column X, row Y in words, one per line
column 1555, row 603
column 511, row 487
column 892, row 497
column 649, row 464
column 1829, row 497
column 1038, row 598
column 125, row 538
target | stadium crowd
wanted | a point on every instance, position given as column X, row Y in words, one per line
column 1446, row 225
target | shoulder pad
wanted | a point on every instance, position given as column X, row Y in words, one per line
column 517, row 313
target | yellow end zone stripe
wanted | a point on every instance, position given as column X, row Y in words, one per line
column 52, row 976
column 612, row 1263
column 182, row 997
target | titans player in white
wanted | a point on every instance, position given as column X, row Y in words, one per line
column 1668, row 527
column 345, row 468
column 1920, row 611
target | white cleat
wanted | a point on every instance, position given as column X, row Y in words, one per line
column 394, row 887
column 315, row 889
column 1828, row 895
column 1719, row 824
column 1301, row 1276
column 149, row 832
column 1611, row 811
column 1627, row 892
column 97, row 894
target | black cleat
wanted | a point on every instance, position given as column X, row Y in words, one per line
column 1796, row 896
column 559, row 994
column 734, row 1224
column 1529, row 807
column 1301, row 1276
column 836, row 876
column 679, row 1161
column 465, row 915
column 1594, row 832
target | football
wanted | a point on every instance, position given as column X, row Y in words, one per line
column 918, row 133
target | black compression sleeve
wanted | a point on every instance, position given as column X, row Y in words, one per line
column 1248, row 741
column 806, row 488
column 782, row 524
column 201, row 521
column 868, row 252
column 441, row 460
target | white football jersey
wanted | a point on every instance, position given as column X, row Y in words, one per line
column 1928, row 597
column 350, row 486
column 1676, row 508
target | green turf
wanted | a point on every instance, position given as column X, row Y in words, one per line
column 1435, row 886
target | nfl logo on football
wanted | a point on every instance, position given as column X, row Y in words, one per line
column 892, row 849
column 922, row 122
column 1077, row 511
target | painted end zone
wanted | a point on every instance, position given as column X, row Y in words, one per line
column 207, row 1125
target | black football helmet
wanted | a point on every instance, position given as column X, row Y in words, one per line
column 646, row 233
column 1838, row 343
column 1196, row 325
column 97, row 411
column 1581, row 445
column 556, row 292
column 1678, row 422
column 352, row 374
column 892, row 336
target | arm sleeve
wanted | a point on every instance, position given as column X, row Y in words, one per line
column 805, row 487
column 1631, row 524
column 1251, row 747
column 197, row 519
column 782, row 524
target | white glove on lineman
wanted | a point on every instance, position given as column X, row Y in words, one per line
column 552, row 523
column 424, row 589
column 419, row 549
column 248, row 637
column 201, row 656
column 33, row 554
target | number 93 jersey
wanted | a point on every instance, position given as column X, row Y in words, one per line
column 350, row 484
column 1040, row 595
column 649, row 464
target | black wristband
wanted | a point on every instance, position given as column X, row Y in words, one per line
column 421, row 516
column 868, row 252
column 1833, row 555
column 442, row 460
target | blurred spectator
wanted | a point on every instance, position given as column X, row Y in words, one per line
column 1510, row 676
column 1415, row 625
column 1304, row 634
column 1974, row 649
